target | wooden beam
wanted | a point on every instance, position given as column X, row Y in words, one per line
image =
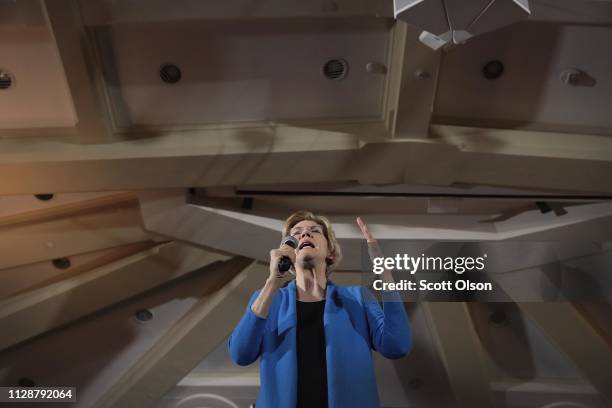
column 394, row 74
column 589, row 229
column 252, row 156
column 412, row 84
column 167, row 213
column 34, row 312
column 29, row 210
column 459, row 345
column 103, row 13
column 208, row 323
column 203, row 141
column 507, row 170
column 26, row 243
column 578, row 336
column 525, row 142
column 421, row 375
column 28, row 277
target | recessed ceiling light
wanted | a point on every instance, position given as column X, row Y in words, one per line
column 6, row 79
column 170, row 73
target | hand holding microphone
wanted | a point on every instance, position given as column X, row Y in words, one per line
column 282, row 259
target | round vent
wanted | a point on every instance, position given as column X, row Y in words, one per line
column 61, row 263
column 44, row 197
column 143, row 315
column 493, row 70
column 6, row 79
column 170, row 73
column 335, row 69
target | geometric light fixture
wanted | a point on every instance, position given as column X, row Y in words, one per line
column 455, row 21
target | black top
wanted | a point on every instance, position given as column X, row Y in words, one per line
column 312, row 370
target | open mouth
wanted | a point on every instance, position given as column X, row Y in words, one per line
column 306, row 244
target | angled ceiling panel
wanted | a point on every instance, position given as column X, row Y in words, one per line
column 244, row 70
column 530, row 92
column 38, row 96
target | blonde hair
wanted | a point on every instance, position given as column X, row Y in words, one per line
column 335, row 252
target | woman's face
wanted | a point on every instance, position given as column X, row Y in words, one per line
column 312, row 244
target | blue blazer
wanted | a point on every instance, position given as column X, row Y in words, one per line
column 354, row 324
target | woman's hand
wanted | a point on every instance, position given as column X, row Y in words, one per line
column 261, row 305
column 365, row 230
column 275, row 257
column 373, row 247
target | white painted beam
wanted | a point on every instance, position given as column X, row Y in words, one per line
column 257, row 156
column 412, row 84
column 208, row 323
column 64, row 20
column 578, row 337
column 168, row 214
column 463, row 355
column 526, row 142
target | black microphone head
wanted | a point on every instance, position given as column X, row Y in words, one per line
column 291, row 241
column 285, row 262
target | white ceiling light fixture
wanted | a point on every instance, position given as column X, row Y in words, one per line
column 455, row 21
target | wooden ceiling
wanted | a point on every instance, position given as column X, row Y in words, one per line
column 121, row 193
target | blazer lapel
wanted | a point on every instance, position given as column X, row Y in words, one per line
column 287, row 316
column 331, row 302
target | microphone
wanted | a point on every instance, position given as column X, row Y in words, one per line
column 285, row 262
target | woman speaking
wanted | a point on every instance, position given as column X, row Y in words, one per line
column 314, row 338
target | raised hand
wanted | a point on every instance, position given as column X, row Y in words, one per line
column 373, row 247
column 365, row 230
